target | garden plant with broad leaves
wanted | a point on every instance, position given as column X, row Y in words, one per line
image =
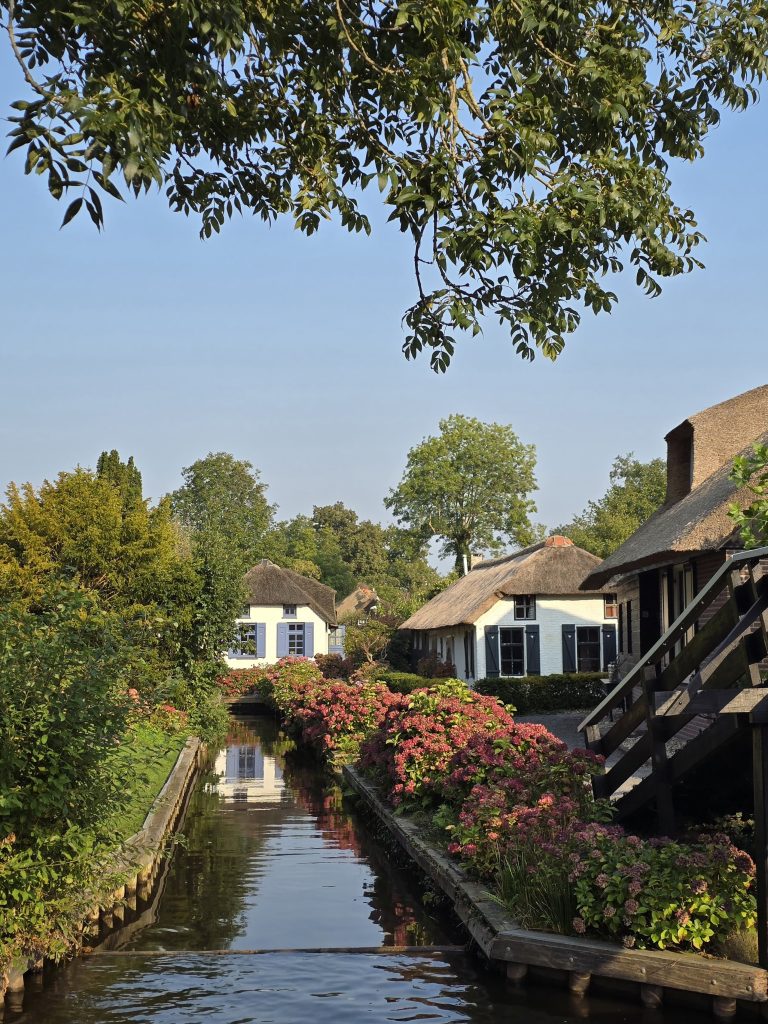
column 523, row 145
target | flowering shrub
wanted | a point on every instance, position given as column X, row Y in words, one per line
column 662, row 893
column 333, row 666
column 239, row 681
column 168, row 718
column 518, row 809
column 336, row 716
column 421, row 732
column 286, row 680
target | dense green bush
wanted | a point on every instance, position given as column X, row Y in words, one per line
column 540, row 694
column 402, row 682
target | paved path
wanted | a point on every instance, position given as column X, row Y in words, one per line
column 563, row 725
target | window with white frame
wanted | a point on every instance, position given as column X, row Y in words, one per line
column 289, row 611
column 512, row 651
column 588, row 648
column 525, row 606
column 296, row 639
column 610, row 606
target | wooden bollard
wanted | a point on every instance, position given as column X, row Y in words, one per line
column 130, row 887
column 723, row 1008
column 578, row 983
column 651, row 996
column 15, row 974
column 108, row 919
column 516, row 973
column 143, row 885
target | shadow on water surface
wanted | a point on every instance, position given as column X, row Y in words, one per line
column 273, row 859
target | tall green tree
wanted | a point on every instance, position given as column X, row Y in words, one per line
column 522, row 145
column 124, row 475
column 223, row 495
column 469, row 487
column 636, row 490
column 223, row 509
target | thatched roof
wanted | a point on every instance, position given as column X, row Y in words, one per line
column 698, row 522
column 362, row 599
column 268, row 584
column 554, row 566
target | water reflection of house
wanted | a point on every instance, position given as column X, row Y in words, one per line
column 246, row 773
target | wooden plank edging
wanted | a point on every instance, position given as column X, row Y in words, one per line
column 499, row 938
column 159, row 819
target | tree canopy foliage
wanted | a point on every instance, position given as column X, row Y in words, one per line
column 522, row 145
column 468, row 486
column 636, row 490
column 341, row 550
column 752, row 471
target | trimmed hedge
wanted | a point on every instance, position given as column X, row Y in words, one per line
column 403, row 682
column 541, row 694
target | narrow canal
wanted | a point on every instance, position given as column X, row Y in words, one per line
column 280, row 906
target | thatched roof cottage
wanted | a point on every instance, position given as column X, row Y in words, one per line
column 521, row 614
column 657, row 571
column 285, row 614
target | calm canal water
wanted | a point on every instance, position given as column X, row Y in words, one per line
column 273, row 870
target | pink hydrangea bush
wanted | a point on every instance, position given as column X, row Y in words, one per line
column 335, row 716
column 421, row 732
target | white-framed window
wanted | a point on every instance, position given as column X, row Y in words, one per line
column 610, row 606
column 296, row 639
column 289, row 611
column 512, row 651
column 525, row 606
column 587, row 648
column 245, row 611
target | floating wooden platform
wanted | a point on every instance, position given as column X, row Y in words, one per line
column 647, row 972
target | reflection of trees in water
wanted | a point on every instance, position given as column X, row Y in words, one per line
column 205, row 894
column 395, row 906
column 216, row 871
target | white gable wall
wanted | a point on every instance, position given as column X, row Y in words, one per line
column 552, row 613
column 271, row 615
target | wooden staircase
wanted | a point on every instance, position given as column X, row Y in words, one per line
column 682, row 702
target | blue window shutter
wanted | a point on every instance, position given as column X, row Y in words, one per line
column 609, row 645
column 261, row 639
column 532, row 651
column 491, row 650
column 309, row 639
column 282, row 639
column 569, row 648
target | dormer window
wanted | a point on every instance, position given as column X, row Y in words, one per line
column 289, row 611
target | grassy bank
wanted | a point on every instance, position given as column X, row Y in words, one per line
column 147, row 757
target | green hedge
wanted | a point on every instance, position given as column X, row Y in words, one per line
column 404, row 682
column 541, row 694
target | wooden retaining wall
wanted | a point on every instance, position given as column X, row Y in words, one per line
column 645, row 973
column 142, row 860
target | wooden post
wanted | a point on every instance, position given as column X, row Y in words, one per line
column 665, row 809
column 760, row 788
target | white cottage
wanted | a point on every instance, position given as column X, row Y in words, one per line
column 286, row 614
column 522, row 614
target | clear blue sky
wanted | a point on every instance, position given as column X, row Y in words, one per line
column 286, row 351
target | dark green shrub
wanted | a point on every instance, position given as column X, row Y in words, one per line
column 542, row 694
column 402, row 682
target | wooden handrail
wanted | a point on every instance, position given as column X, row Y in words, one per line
column 681, row 625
